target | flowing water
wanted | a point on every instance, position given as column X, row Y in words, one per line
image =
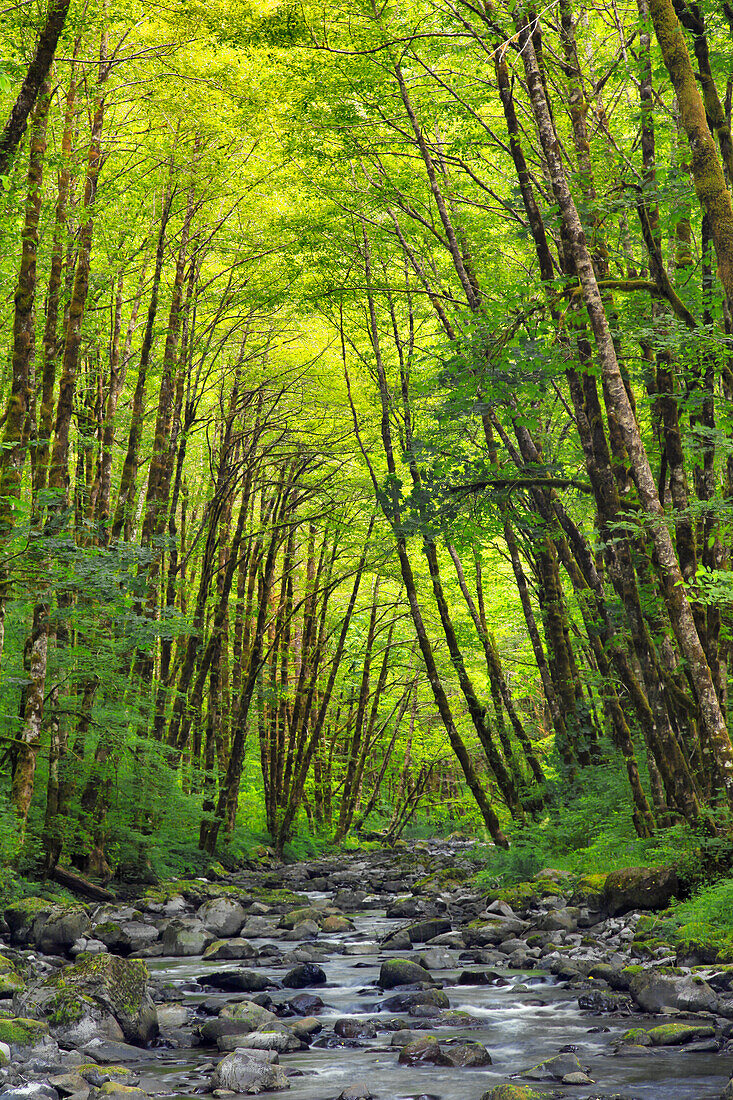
column 523, row 1022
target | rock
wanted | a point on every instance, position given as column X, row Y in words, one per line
column 183, row 937
column 113, row 1090
column 394, row 972
column 126, row 938
column 34, row 1091
column 97, row 990
column 668, row 1035
column 408, row 1002
column 467, row 1055
column 423, row 1051
column 515, row 1092
column 655, row 991
column 334, row 924
column 357, row 1091
column 10, row 980
column 17, row 1032
column 21, row 917
column 425, row 930
column 280, row 1041
column 305, row 930
column 237, row 1019
column 436, row 958
column 354, row 1028
column 397, row 941
column 228, row 950
column 304, row 975
column 57, row 934
column 236, row 981
column 639, row 888
column 305, row 1004
column 172, row 1016
column 222, row 917
column 402, row 1037
column 240, row 1072
column 107, row 1052
column 554, row 1069
column 560, row 920
column 598, row 1002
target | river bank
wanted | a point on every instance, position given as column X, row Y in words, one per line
column 388, row 975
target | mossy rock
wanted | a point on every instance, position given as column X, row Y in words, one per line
column 281, row 897
column 525, row 894
column 10, row 980
column 588, row 890
column 668, row 1035
column 115, row 1073
column 515, row 1092
column 444, row 879
column 636, row 1037
column 20, row 1031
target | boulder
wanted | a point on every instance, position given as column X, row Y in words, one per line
column 335, row 923
column 113, row 1090
column 515, row 1092
column 57, row 934
column 10, row 980
column 426, row 930
column 222, row 917
column 126, row 938
column 467, row 1055
column 358, row 1091
column 236, row 981
column 229, row 950
column 415, row 999
column 22, row 915
column 237, row 1019
column 353, row 1027
column 183, row 937
column 305, row 1004
column 657, row 991
column 18, row 1032
column 102, row 990
column 304, row 975
column 554, row 1069
column 639, row 888
column 394, row 972
column 305, row 930
column 423, row 1051
column 668, row 1035
column 243, row 1073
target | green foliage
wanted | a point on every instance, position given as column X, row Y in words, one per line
column 588, row 830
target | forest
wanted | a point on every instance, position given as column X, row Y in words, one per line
column 367, row 430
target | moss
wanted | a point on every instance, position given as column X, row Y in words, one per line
column 514, row 1092
column 10, row 980
column 22, row 1032
column 115, row 1073
column 667, row 1035
column 637, row 1037
column 525, row 894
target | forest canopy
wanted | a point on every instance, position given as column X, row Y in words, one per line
column 367, row 431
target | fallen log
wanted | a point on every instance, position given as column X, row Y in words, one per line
column 80, row 885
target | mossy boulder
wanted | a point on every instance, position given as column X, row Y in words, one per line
column 668, row 1035
column 100, row 989
column 639, row 888
column 10, row 980
column 588, row 890
column 23, row 914
column 19, row 1031
column 394, row 972
column 525, row 895
column 515, row 1092
column 114, row 1090
column 636, row 1037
